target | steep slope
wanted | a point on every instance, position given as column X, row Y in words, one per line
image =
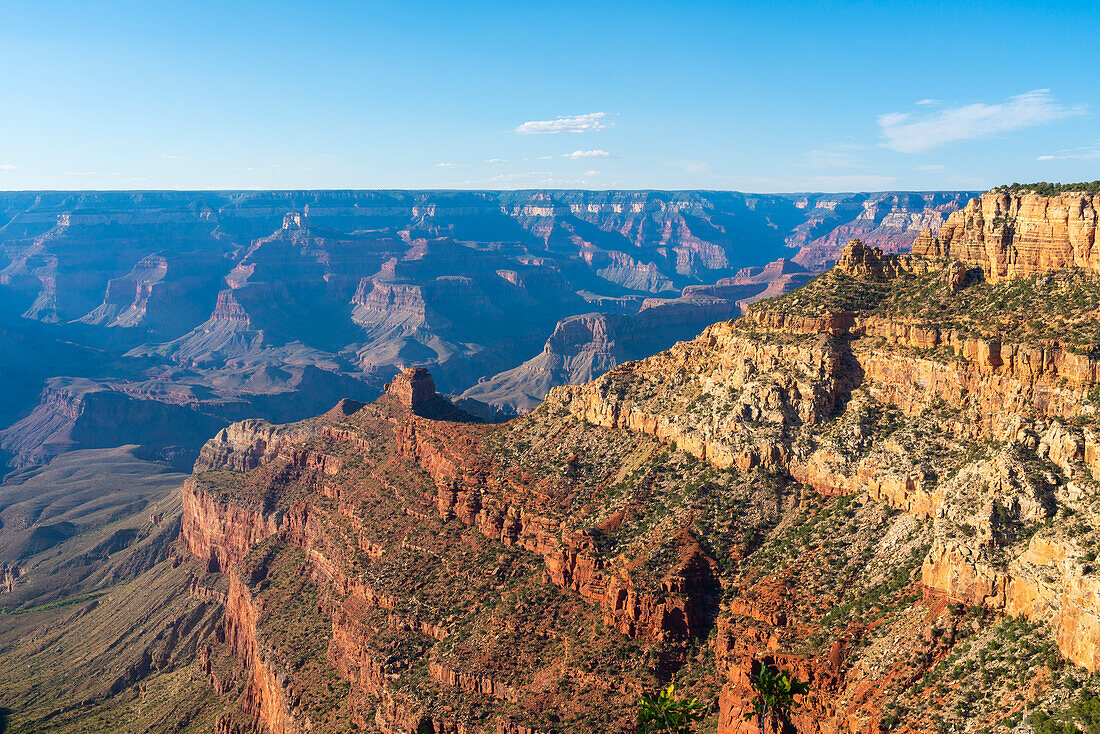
column 586, row 346
column 222, row 300
column 883, row 481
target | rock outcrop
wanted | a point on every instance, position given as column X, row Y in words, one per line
column 1019, row 235
column 229, row 297
column 414, row 388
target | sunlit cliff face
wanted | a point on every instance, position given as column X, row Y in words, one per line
column 869, row 482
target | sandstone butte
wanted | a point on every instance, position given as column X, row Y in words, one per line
column 883, row 482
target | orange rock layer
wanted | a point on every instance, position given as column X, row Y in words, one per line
column 1019, row 235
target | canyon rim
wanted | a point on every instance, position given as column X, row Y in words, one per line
column 549, row 368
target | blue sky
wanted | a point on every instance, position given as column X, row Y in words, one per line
column 830, row 96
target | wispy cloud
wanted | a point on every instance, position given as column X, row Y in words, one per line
column 78, row 173
column 1086, row 153
column 528, row 179
column 842, row 155
column 588, row 123
column 693, row 166
column 496, row 161
column 850, row 182
column 534, row 178
column 927, row 102
column 579, row 154
column 7, row 167
column 445, row 164
column 911, row 132
column 171, row 156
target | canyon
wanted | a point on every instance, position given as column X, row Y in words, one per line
column 882, row 478
column 184, row 311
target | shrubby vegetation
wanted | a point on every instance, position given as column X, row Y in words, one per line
column 1050, row 189
column 775, row 692
column 1081, row 716
column 1057, row 306
column 667, row 713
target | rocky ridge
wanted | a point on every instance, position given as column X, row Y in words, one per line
column 851, row 482
column 276, row 304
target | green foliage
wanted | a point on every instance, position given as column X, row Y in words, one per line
column 1050, row 189
column 1055, row 307
column 667, row 713
column 1082, row 716
column 775, row 692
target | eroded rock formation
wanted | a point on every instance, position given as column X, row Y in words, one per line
column 839, row 491
column 1019, row 235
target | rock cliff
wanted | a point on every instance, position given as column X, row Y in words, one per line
column 228, row 297
column 833, row 484
column 1019, row 235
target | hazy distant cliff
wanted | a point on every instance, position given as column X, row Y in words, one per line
column 274, row 303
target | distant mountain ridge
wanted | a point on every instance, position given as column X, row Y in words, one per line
column 269, row 303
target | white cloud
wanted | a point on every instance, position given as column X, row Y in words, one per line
column 927, row 102
column 591, row 173
column 496, row 161
column 579, row 154
column 1087, row 153
column 171, row 156
column 445, row 164
column 910, row 132
column 588, row 123
column 78, row 173
column 7, row 167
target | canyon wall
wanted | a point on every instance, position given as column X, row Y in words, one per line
column 276, row 304
column 1019, row 235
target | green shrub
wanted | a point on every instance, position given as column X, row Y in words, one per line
column 775, row 692
column 667, row 713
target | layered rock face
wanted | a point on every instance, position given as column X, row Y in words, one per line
column 228, row 297
column 1019, row 235
column 852, row 482
column 586, row 346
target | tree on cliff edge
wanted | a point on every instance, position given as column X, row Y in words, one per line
column 667, row 713
column 775, row 692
